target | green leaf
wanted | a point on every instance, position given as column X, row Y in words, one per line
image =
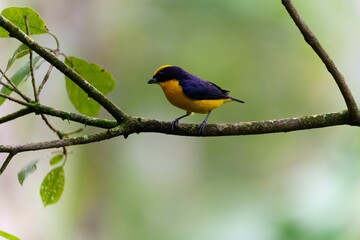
column 16, row 15
column 96, row 76
column 19, row 76
column 8, row 236
column 52, row 186
column 26, row 171
column 56, row 159
column 21, row 51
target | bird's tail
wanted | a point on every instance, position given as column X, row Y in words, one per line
column 236, row 100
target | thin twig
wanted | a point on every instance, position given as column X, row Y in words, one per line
column 13, row 87
column 56, row 52
column 311, row 39
column 44, row 81
column 6, row 162
column 58, row 133
column 20, row 113
column 13, row 99
column 31, row 61
column 74, row 132
column 8, row 86
column 75, row 117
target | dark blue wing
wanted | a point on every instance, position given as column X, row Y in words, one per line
column 198, row 89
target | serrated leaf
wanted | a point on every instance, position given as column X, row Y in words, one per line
column 96, row 76
column 16, row 15
column 52, row 186
column 8, row 236
column 20, row 75
column 26, row 171
column 56, row 159
column 21, row 51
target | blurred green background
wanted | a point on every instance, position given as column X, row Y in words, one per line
column 287, row 186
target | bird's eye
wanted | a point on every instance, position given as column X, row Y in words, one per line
column 161, row 73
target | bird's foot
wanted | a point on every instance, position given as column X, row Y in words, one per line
column 201, row 128
column 174, row 124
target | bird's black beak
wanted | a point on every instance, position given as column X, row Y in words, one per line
column 153, row 80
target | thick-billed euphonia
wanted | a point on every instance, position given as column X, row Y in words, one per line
column 189, row 92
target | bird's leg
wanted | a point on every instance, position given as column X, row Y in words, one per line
column 175, row 123
column 202, row 125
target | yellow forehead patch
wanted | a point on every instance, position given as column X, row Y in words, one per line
column 161, row 68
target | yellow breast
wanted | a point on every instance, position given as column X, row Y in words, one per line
column 176, row 97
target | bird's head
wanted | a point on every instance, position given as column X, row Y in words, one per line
column 166, row 73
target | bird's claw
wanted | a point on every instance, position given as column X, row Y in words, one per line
column 174, row 124
column 201, row 128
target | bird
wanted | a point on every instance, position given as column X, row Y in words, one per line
column 190, row 93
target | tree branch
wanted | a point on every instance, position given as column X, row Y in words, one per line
column 75, row 117
column 138, row 125
column 20, row 113
column 311, row 39
column 62, row 67
column 6, row 162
